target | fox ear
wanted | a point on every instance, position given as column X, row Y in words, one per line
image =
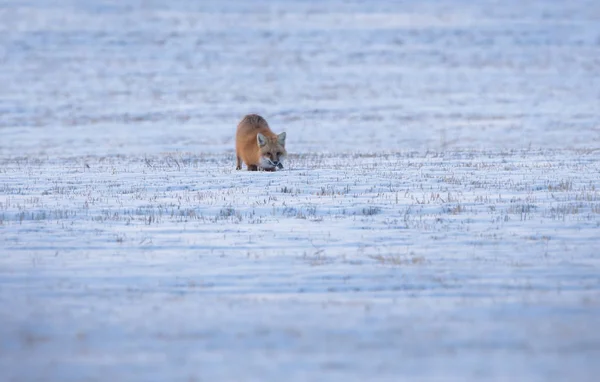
column 261, row 139
column 281, row 139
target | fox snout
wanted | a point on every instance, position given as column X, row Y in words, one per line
column 269, row 162
column 277, row 163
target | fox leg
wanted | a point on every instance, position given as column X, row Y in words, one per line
column 239, row 163
column 252, row 167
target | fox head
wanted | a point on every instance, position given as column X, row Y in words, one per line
column 272, row 151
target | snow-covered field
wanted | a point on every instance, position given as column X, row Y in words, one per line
column 438, row 217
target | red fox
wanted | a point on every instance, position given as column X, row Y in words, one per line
column 257, row 146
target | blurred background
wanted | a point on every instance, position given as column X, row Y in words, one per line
column 104, row 77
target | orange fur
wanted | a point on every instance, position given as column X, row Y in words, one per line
column 248, row 146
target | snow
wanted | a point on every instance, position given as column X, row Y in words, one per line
column 437, row 218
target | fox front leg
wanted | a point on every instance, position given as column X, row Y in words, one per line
column 239, row 163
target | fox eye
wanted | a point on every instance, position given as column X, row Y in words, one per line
column 278, row 153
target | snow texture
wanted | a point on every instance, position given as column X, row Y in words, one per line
column 438, row 217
